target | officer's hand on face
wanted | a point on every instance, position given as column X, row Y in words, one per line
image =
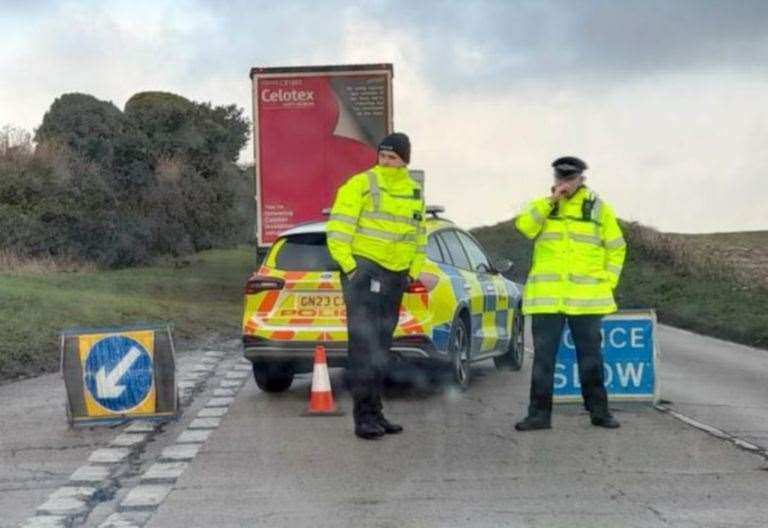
column 559, row 190
column 565, row 188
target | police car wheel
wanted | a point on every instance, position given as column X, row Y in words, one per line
column 459, row 350
column 513, row 358
column 273, row 377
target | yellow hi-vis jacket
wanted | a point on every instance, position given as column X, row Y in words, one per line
column 380, row 215
column 578, row 254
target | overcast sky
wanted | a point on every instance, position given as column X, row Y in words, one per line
column 666, row 100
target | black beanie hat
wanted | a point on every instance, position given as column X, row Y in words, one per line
column 398, row 143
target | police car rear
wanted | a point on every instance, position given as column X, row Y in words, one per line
column 294, row 302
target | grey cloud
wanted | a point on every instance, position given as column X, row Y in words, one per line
column 601, row 39
column 247, row 34
column 470, row 43
column 24, row 7
column 674, row 35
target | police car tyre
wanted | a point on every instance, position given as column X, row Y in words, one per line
column 513, row 358
column 459, row 349
column 273, row 377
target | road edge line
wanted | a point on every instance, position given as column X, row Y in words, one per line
column 714, row 431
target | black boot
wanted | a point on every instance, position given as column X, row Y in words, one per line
column 533, row 423
column 607, row 421
column 368, row 427
column 389, row 427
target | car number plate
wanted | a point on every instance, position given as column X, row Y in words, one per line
column 320, row 301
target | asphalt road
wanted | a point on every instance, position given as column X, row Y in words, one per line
column 459, row 462
column 716, row 382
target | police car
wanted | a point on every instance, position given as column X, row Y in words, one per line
column 462, row 310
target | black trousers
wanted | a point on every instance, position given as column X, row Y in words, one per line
column 373, row 297
column 585, row 329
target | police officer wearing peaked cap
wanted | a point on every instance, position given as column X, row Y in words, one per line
column 377, row 234
column 578, row 255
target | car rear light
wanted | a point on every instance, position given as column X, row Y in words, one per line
column 424, row 284
column 257, row 284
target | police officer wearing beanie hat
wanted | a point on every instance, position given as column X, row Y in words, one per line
column 398, row 143
column 380, row 245
column 578, row 255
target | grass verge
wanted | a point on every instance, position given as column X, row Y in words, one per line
column 201, row 296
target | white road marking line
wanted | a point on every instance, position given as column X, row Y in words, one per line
column 72, row 500
column 164, row 472
column 179, row 452
column 45, row 521
column 145, row 497
column 109, row 455
column 749, row 446
column 174, row 460
column 193, row 436
column 129, row 440
column 220, row 401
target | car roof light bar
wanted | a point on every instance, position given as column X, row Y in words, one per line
column 435, row 210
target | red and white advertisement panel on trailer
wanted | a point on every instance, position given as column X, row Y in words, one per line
column 313, row 128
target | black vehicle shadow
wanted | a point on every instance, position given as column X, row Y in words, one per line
column 419, row 380
column 404, row 381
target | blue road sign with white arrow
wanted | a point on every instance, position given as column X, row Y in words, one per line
column 118, row 373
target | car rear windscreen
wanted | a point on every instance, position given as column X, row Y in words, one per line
column 305, row 252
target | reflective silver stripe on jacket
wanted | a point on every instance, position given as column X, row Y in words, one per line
column 551, row 235
column 379, row 215
column 587, row 239
column 543, row 277
column 537, row 216
column 596, row 209
column 589, row 303
column 403, row 196
column 584, row 279
column 373, row 188
column 613, row 269
column 346, row 219
column 378, row 233
column 615, row 243
column 344, row 237
column 541, row 301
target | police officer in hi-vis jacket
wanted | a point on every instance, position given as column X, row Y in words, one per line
column 578, row 254
column 377, row 235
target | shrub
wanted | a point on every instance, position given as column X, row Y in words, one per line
column 119, row 188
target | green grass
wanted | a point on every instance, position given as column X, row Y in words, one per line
column 692, row 281
column 201, row 296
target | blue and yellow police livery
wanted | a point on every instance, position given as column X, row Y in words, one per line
column 460, row 311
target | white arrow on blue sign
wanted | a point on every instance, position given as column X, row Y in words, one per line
column 118, row 373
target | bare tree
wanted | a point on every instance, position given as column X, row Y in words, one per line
column 15, row 142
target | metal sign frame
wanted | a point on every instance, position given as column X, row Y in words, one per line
column 166, row 404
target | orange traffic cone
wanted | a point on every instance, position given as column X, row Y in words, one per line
column 321, row 399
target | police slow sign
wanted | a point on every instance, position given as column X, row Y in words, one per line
column 630, row 360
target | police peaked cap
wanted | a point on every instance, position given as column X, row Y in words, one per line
column 569, row 166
